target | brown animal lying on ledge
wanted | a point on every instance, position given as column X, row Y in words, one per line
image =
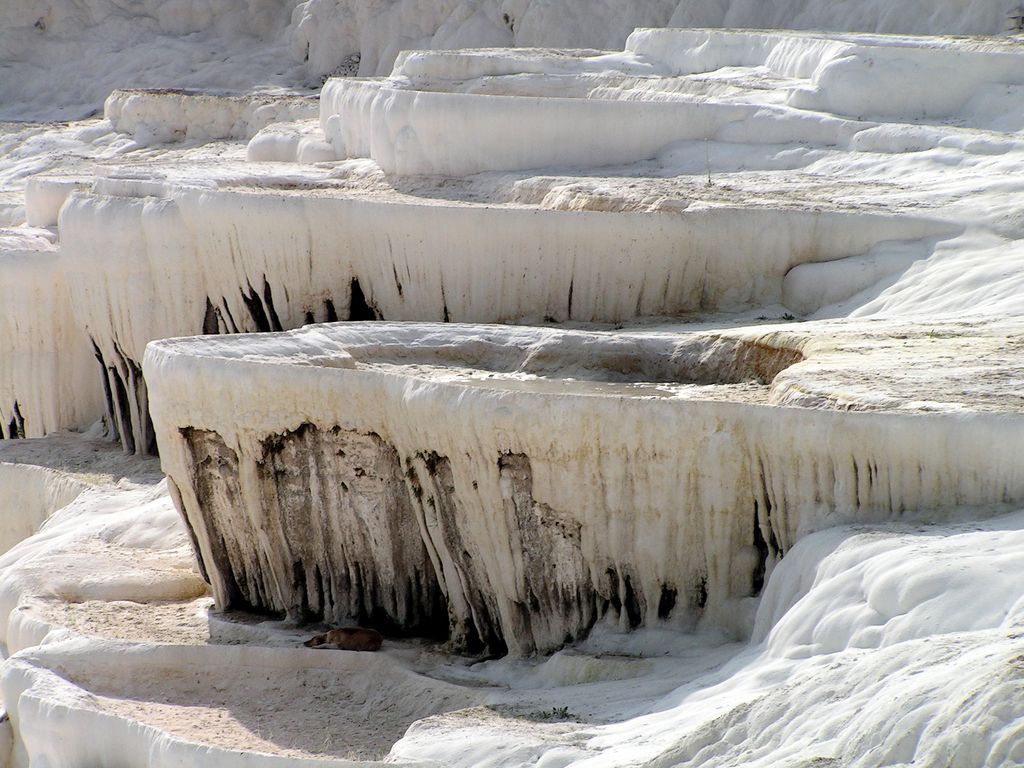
column 348, row 639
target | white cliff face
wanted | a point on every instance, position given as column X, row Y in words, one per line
column 332, row 32
column 46, row 361
column 267, row 261
column 554, row 478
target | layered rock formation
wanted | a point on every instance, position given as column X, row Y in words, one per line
column 539, row 480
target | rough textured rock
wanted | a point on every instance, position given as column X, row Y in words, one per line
column 335, row 539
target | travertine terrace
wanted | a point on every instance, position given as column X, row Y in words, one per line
column 649, row 374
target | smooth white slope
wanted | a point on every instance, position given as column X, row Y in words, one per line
column 893, row 646
column 61, row 60
column 34, row 493
column 524, row 109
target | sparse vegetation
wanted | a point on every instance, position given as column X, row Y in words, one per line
column 553, row 715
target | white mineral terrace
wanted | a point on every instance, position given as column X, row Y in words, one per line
column 681, row 423
column 117, row 657
column 554, row 477
column 759, row 202
column 554, row 108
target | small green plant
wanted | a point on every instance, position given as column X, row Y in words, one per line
column 551, row 715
